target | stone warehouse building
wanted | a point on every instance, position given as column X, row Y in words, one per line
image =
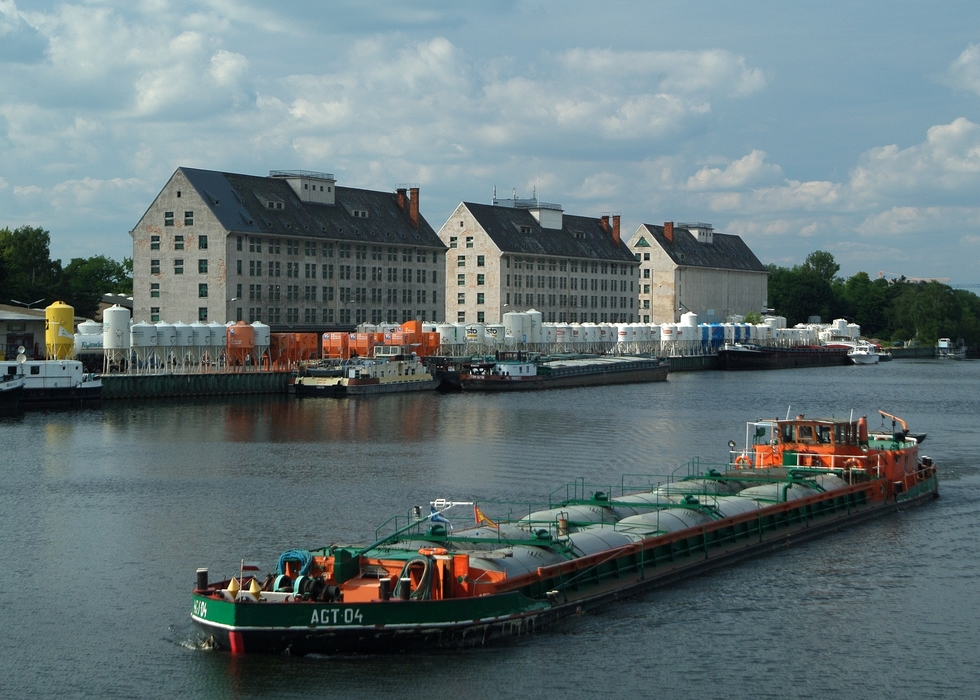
column 690, row 267
column 518, row 254
column 292, row 250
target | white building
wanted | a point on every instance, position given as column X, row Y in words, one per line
column 518, row 254
column 292, row 250
column 690, row 267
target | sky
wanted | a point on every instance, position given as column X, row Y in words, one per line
column 850, row 127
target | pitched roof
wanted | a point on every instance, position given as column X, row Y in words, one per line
column 237, row 202
column 728, row 252
column 579, row 237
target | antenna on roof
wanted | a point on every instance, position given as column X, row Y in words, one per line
column 494, row 191
column 534, row 193
column 514, row 192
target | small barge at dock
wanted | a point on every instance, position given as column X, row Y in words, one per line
column 421, row 584
column 520, row 373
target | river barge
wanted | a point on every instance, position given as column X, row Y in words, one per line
column 750, row 357
column 392, row 370
column 54, row 383
column 519, row 569
column 521, row 374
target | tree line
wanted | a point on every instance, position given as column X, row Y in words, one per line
column 890, row 310
column 28, row 275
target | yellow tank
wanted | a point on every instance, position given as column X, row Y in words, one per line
column 58, row 337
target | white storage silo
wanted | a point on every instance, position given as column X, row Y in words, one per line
column 217, row 346
column 578, row 336
column 549, row 334
column 494, row 334
column 514, row 325
column 668, row 338
column 263, row 339
column 447, row 337
column 166, row 344
column 143, row 340
column 655, row 336
column 475, row 335
column 533, row 326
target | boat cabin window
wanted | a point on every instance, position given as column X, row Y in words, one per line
column 804, row 433
column 823, row 434
column 36, row 369
column 786, row 432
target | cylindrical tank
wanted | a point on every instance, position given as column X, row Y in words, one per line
column 591, row 333
column 426, row 328
column 534, row 328
column 460, row 333
column 495, row 333
column 514, row 325
column 143, row 335
column 201, row 335
column 184, row 334
column 90, row 328
column 624, row 333
column 607, row 333
column 578, row 334
column 263, row 336
column 115, row 328
column 474, row 334
column 689, row 319
column 447, row 333
column 241, row 340
column 58, row 336
column 654, row 334
column 166, row 335
column 218, row 334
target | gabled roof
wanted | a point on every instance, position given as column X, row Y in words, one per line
column 579, row 237
column 728, row 252
column 237, row 202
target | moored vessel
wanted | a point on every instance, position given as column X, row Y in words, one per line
column 392, row 369
column 520, row 373
column 864, row 354
column 52, row 383
column 748, row 356
column 419, row 583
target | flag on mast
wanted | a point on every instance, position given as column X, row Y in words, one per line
column 480, row 518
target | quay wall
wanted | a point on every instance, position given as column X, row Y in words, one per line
column 133, row 386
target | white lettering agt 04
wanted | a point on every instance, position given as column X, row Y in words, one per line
column 336, row 616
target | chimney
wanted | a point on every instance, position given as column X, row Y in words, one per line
column 669, row 231
column 615, row 230
column 604, row 222
column 400, row 197
column 413, row 208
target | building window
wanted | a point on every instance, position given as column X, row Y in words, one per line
column 461, row 317
column 202, row 291
column 452, row 241
column 481, row 280
column 238, row 292
column 646, row 274
column 238, row 265
column 154, row 242
column 202, row 242
column 461, row 297
column 154, row 267
column 479, row 297
column 480, row 316
column 168, row 218
column 188, row 218
column 469, row 241
column 178, row 266
column 481, row 261
column 155, row 313
column 202, row 313
column 202, row 267
column 178, row 242
column 461, row 261
column 238, row 244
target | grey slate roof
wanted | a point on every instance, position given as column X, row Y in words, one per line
column 580, row 236
column 235, row 200
column 728, row 252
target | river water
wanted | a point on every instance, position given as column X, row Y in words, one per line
column 106, row 514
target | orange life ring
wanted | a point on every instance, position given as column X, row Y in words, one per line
column 851, row 463
column 431, row 551
column 742, row 462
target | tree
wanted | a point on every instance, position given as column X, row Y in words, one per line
column 822, row 264
column 87, row 279
column 26, row 254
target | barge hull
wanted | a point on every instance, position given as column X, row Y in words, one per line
column 598, row 579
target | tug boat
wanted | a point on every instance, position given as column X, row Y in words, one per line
column 393, row 369
column 423, row 584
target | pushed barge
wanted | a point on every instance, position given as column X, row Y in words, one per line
column 425, row 585
column 748, row 356
column 521, row 374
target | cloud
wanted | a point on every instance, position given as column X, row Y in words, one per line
column 19, row 41
column 964, row 72
column 739, row 173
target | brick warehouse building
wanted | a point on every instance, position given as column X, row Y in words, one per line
column 292, row 250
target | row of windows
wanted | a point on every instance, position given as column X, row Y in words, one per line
column 202, row 266
column 481, row 261
column 574, row 300
column 344, row 272
column 295, row 292
column 340, row 316
column 327, row 249
column 565, row 317
column 178, row 242
column 168, row 218
column 646, row 256
column 202, row 314
column 551, row 282
column 553, row 265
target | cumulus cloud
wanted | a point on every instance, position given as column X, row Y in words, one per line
column 739, row 173
column 964, row 72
